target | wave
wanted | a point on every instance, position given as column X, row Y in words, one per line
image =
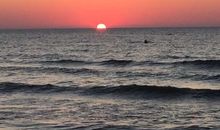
column 177, row 57
column 111, row 62
column 54, row 70
column 68, row 62
column 128, row 91
column 206, row 63
column 123, row 63
column 146, row 91
column 117, row 62
column 193, row 127
column 214, row 77
column 7, row 87
column 201, row 77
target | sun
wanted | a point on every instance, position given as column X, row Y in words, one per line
column 101, row 26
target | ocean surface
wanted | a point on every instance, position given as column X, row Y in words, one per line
column 84, row 79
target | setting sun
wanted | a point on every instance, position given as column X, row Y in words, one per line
column 110, row 64
column 101, row 26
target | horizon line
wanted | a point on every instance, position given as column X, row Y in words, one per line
column 77, row 28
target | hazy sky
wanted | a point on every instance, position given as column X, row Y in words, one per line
column 114, row 13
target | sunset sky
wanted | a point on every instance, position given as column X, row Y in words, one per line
column 113, row 13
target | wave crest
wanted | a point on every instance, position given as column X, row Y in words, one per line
column 117, row 62
column 68, row 62
column 127, row 91
column 206, row 63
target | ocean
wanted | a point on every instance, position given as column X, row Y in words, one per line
column 118, row 79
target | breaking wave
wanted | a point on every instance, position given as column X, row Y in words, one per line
column 130, row 91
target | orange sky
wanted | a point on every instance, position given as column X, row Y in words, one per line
column 114, row 13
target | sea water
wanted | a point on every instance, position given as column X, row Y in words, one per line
column 86, row 79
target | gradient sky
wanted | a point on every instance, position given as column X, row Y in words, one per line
column 113, row 13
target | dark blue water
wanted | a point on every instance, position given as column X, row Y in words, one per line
column 85, row 79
